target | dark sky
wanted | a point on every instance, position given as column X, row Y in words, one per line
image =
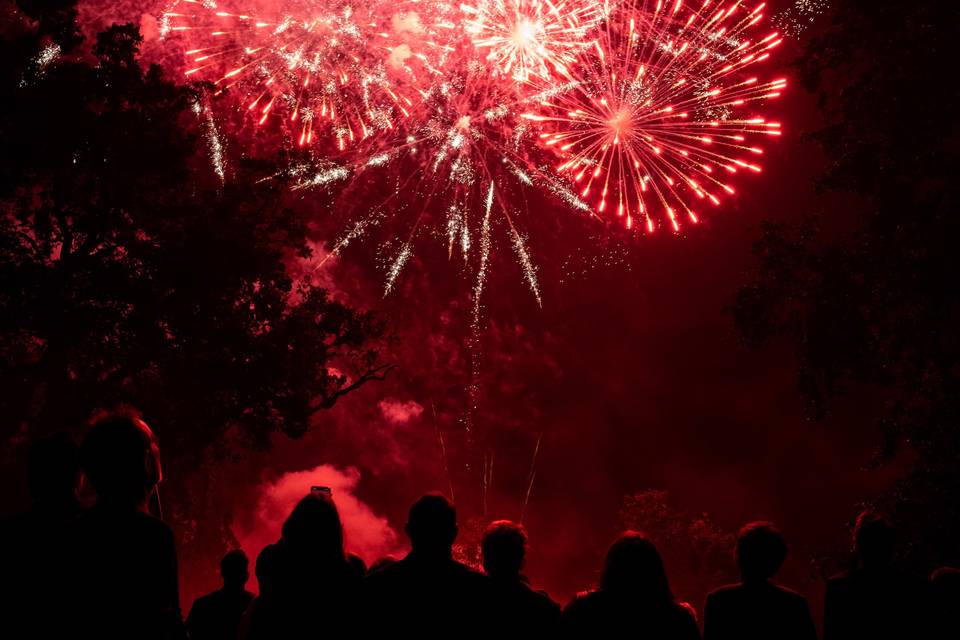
column 632, row 371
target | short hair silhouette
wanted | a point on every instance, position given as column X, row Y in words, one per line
column 432, row 523
column 504, row 548
column 761, row 550
column 945, row 584
column 946, row 575
column 634, row 565
column 53, row 468
column 235, row 568
column 267, row 569
column 121, row 457
column 314, row 526
column 874, row 539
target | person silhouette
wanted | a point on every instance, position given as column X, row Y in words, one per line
column 757, row 609
column 633, row 599
column 33, row 541
column 381, row 563
column 308, row 584
column 515, row 606
column 945, row 603
column 874, row 600
column 217, row 615
column 259, row 612
column 428, row 593
column 126, row 570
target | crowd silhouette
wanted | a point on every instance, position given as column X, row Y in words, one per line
column 110, row 571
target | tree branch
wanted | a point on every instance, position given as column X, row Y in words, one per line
column 376, row 373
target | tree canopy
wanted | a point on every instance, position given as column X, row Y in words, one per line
column 873, row 302
column 130, row 273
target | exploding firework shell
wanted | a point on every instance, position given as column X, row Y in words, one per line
column 662, row 109
column 316, row 66
column 531, row 38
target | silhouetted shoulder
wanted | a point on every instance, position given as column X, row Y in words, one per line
column 150, row 527
column 684, row 614
column 598, row 612
column 385, row 575
column 839, row 580
column 789, row 595
column 724, row 593
column 543, row 599
column 583, row 602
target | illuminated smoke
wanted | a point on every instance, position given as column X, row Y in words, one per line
column 366, row 533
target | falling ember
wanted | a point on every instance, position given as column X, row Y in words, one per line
column 356, row 231
column 484, row 258
column 658, row 117
column 396, row 267
column 529, row 271
column 215, row 145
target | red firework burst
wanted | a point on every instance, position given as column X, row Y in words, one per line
column 662, row 108
column 525, row 38
column 315, row 64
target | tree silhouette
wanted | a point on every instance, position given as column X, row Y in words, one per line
column 876, row 307
column 130, row 273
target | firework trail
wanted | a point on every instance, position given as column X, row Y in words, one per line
column 531, row 476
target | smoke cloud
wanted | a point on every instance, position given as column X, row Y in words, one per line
column 366, row 533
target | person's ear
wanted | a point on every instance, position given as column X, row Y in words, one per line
column 456, row 532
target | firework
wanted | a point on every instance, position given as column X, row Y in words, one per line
column 314, row 65
column 799, row 16
column 458, row 168
column 663, row 109
column 444, row 115
column 525, row 38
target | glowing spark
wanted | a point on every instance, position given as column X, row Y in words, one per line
column 358, row 229
column 484, row 258
column 215, row 146
column 324, row 177
column 396, row 267
column 529, row 272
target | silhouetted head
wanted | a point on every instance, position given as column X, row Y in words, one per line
column 945, row 586
column 761, row 551
column 121, row 458
column 53, row 469
column 634, row 566
column 504, row 548
column 432, row 524
column 267, row 569
column 235, row 569
column 874, row 539
column 314, row 528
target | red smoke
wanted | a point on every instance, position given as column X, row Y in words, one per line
column 367, row 534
